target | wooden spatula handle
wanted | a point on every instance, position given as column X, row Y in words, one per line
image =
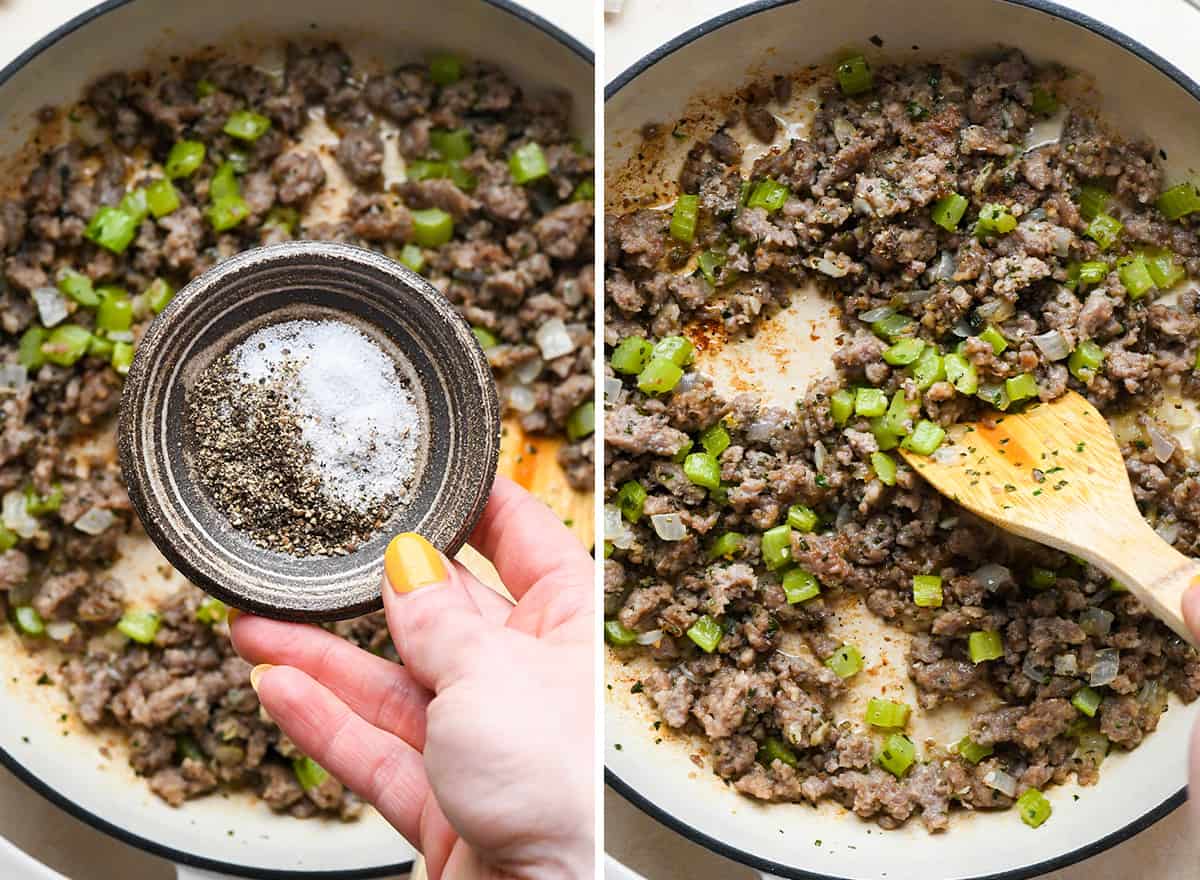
column 1151, row 568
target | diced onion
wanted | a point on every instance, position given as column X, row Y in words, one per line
column 15, row 516
column 1175, row 414
column 1053, row 345
column 649, row 638
column 819, row 455
column 873, row 315
column 1046, row 131
column 827, row 267
column 1066, row 664
column 687, row 381
column 86, row 127
column 962, row 328
column 760, row 430
column 669, row 526
column 521, row 398
column 529, row 370
column 944, row 268
column 51, row 306
column 615, row 529
column 1030, row 671
column 13, row 377
column 992, row 577
column 1096, row 621
column 845, row 513
column 614, row 391
column 1162, row 444
column 1105, row 667
column 553, row 339
column 996, row 310
column 95, row 521
column 1168, row 530
column 61, row 630
column 913, row 297
column 1062, row 240
column 1001, row 782
column 844, row 131
column 948, row 522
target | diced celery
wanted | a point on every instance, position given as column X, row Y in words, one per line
column 1135, row 276
column 1085, row 360
column 1093, row 201
column 845, row 661
column 841, row 406
column 948, row 211
column 800, row 586
column 706, row 633
column 777, row 547
column 972, row 750
column 802, row 518
column 659, row 376
column 1021, row 387
column 886, row 713
column 774, row 749
column 631, row 355
column 1104, row 230
column 726, row 545
column 854, row 76
column 870, row 402
column 929, row 368
column 927, row 590
column 714, row 439
column 925, row 438
column 703, row 470
column 898, row 755
column 679, row 350
column 1033, row 807
column 994, row 338
column 904, row 352
column 885, row 468
column 1087, row 700
column 631, row 500
column 617, row 633
column 768, row 195
column 984, row 645
column 961, row 373
column 683, row 218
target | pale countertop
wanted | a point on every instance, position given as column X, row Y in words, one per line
column 27, row 820
column 1170, row 850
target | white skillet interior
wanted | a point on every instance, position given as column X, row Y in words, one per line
column 233, row 832
column 828, row 842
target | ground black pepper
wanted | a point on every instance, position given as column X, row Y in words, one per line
column 250, row 458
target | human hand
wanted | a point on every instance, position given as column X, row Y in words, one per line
column 1191, row 616
column 479, row 748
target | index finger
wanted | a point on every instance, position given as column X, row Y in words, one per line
column 526, row 542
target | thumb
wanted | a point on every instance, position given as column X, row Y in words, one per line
column 435, row 622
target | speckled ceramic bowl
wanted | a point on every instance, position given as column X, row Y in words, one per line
column 436, row 355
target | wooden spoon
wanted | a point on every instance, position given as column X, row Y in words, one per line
column 1054, row 474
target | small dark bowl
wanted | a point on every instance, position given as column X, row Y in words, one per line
column 403, row 314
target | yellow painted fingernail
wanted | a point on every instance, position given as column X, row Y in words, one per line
column 411, row 563
column 256, row 674
column 232, row 615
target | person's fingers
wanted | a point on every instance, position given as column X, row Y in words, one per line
column 492, row 605
column 381, row 692
column 434, row 620
column 1191, row 610
column 377, row 766
column 526, row 541
column 1194, row 773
